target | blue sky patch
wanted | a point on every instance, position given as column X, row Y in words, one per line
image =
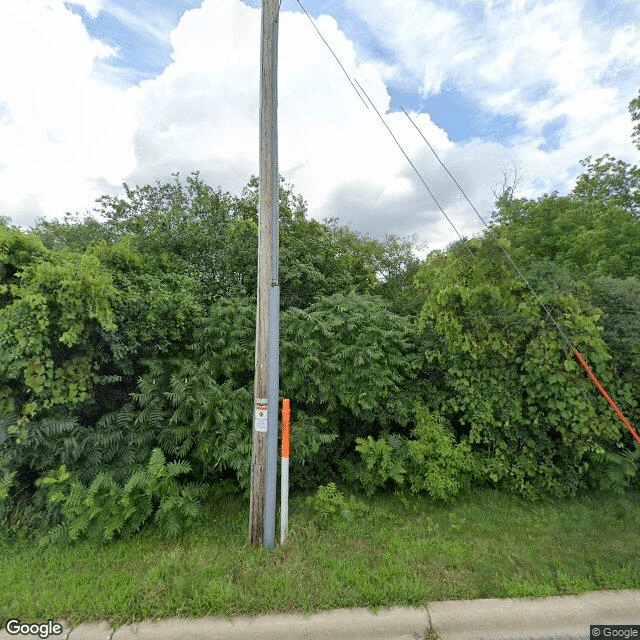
column 462, row 118
column 144, row 53
column 552, row 134
column 411, row 101
column 607, row 12
column 5, row 112
column 356, row 30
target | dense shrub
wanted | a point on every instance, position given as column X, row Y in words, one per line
column 430, row 461
column 510, row 386
column 127, row 340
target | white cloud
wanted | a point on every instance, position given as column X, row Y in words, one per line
column 202, row 113
column 540, row 61
column 625, row 47
column 72, row 132
column 502, row 54
column 64, row 131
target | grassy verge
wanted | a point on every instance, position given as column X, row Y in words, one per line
column 390, row 551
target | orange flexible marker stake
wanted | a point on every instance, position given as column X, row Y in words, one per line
column 286, row 417
column 284, row 471
column 602, row 390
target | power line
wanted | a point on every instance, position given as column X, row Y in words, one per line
column 311, row 20
column 413, row 166
column 506, row 253
column 360, row 92
column 495, row 236
column 357, row 87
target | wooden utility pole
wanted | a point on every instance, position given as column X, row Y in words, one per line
column 266, row 389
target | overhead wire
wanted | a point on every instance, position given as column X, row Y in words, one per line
column 313, row 24
column 573, row 349
column 413, row 166
column 360, row 92
column 495, row 236
column 358, row 89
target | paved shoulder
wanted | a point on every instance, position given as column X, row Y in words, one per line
column 347, row 624
column 559, row 617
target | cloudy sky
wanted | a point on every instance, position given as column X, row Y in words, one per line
column 94, row 93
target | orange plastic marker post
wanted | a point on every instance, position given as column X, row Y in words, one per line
column 286, row 417
column 606, row 396
column 284, row 471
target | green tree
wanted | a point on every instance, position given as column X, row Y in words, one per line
column 509, row 386
column 608, row 181
column 619, row 301
column 54, row 306
column 634, row 109
column 586, row 235
column 351, row 367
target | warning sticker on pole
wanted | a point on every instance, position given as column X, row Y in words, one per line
column 260, row 418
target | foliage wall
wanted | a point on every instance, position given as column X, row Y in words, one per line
column 127, row 353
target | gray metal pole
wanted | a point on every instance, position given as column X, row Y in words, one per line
column 272, row 421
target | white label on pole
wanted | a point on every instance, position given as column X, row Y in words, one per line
column 260, row 418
